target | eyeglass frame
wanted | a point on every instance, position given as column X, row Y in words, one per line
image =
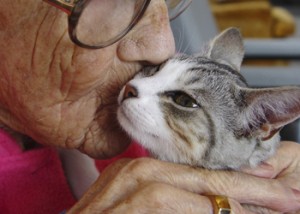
column 74, row 8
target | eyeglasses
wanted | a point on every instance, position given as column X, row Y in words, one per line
column 99, row 23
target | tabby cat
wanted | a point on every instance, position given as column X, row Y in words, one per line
column 199, row 110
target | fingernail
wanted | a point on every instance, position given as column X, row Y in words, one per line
column 266, row 166
column 296, row 193
column 264, row 170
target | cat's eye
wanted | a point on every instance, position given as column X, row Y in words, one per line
column 182, row 99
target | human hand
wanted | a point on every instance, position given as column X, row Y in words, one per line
column 152, row 186
column 284, row 167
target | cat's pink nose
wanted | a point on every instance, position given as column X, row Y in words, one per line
column 130, row 92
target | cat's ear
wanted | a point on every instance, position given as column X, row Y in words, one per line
column 227, row 48
column 266, row 111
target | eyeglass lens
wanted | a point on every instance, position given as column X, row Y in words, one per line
column 176, row 7
column 104, row 21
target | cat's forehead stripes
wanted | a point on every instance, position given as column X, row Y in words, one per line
column 203, row 64
column 156, row 79
column 182, row 71
column 232, row 125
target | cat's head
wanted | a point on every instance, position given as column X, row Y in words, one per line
column 198, row 110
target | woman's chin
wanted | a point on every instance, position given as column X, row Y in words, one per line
column 107, row 147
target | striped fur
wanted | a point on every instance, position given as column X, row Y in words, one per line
column 222, row 124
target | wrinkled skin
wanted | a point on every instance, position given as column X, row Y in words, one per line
column 151, row 186
column 70, row 98
column 62, row 95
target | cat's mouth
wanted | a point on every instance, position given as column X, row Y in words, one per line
column 133, row 125
column 127, row 121
column 123, row 116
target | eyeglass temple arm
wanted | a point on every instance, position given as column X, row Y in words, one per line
column 65, row 5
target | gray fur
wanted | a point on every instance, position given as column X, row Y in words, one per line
column 227, row 124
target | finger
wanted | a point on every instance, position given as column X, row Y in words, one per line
column 105, row 177
column 287, row 167
column 263, row 170
column 286, row 157
column 244, row 188
column 162, row 198
column 110, row 172
column 259, row 210
column 284, row 166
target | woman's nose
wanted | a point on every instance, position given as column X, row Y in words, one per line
column 151, row 40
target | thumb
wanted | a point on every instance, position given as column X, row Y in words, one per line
column 264, row 170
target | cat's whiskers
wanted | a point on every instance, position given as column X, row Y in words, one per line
column 198, row 110
column 180, row 40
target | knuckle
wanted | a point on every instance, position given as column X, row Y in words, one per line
column 277, row 187
column 118, row 163
column 139, row 166
column 131, row 171
column 157, row 191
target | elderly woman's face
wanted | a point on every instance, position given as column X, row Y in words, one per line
column 61, row 94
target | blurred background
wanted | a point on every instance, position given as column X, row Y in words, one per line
column 271, row 29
